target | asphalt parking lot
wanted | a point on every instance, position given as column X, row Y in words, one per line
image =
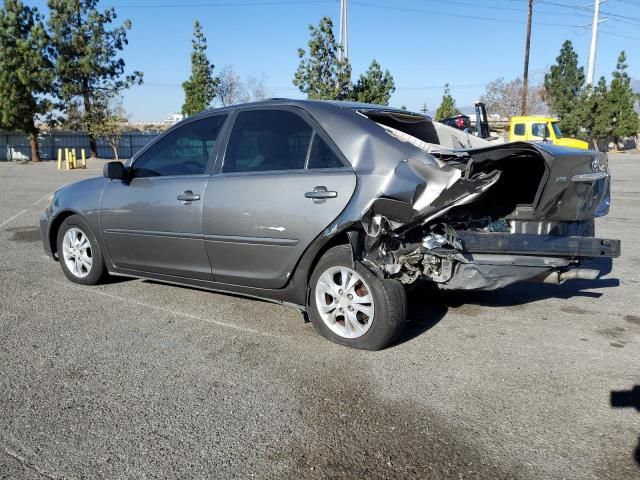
column 134, row 379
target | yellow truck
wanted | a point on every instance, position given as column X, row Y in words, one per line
column 534, row 128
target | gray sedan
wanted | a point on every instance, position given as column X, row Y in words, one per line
column 334, row 209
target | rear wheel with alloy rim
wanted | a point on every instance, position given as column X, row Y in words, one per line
column 79, row 253
column 351, row 306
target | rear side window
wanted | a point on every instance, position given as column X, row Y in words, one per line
column 322, row 156
column 264, row 140
column 183, row 151
column 518, row 129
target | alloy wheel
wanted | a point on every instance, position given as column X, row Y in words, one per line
column 76, row 252
column 344, row 302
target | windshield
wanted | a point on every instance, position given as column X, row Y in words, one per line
column 556, row 129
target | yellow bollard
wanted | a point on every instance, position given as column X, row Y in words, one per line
column 59, row 159
column 84, row 159
column 66, row 157
column 73, row 158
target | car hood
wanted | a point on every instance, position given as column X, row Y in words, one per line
column 572, row 143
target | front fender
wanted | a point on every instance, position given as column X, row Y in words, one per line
column 80, row 198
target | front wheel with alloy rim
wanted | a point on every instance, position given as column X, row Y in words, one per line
column 351, row 306
column 79, row 253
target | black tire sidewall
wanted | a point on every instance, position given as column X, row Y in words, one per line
column 97, row 266
column 389, row 301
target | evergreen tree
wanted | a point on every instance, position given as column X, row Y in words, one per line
column 593, row 113
column 26, row 72
column 87, row 52
column 321, row 75
column 373, row 86
column 621, row 100
column 562, row 88
column 447, row 107
column 200, row 89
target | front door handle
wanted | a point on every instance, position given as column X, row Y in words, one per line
column 320, row 194
column 188, row 196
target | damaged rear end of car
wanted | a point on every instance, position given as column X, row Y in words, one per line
column 477, row 218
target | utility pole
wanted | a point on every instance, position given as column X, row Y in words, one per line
column 343, row 38
column 346, row 29
column 591, row 69
column 424, row 108
column 525, row 76
column 341, row 32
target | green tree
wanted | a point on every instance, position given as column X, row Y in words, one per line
column 26, row 74
column 447, row 107
column 320, row 74
column 73, row 118
column 88, row 61
column 621, row 100
column 200, row 89
column 563, row 86
column 374, row 86
column 593, row 113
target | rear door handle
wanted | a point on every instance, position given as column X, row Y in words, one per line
column 188, row 196
column 320, row 194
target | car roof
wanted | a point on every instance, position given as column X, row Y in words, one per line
column 533, row 118
column 311, row 105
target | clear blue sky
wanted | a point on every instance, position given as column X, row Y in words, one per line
column 424, row 43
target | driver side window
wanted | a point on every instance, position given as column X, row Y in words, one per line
column 184, row 151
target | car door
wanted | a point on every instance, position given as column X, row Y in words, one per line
column 281, row 183
column 153, row 221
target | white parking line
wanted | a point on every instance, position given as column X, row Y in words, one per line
column 38, row 201
column 9, row 220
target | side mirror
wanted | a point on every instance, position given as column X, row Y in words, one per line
column 114, row 170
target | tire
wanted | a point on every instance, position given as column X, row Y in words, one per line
column 370, row 320
column 79, row 252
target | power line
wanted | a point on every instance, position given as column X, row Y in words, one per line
column 454, row 15
column 510, row 9
column 616, row 34
column 224, row 4
column 581, row 7
column 629, row 2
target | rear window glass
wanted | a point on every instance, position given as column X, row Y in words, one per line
column 322, row 156
column 264, row 140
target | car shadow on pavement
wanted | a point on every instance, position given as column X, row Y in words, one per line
column 113, row 279
column 628, row 399
column 428, row 305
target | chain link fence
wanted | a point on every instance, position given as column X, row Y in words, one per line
column 14, row 146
